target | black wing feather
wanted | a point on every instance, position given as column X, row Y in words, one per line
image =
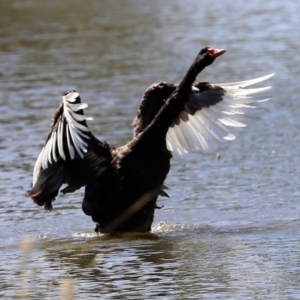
column 71, row 154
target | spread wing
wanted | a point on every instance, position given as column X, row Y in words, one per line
column 211, row 112
column 70, row 155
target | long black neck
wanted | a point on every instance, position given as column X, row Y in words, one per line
column 199, row 64
column 158, row 128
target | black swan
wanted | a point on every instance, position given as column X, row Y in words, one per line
column 122, row 184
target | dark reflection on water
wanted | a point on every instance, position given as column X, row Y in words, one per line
column 231, row 227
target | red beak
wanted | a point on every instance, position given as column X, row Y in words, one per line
column 215, row 52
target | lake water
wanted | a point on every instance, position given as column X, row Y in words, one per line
column 230, row 229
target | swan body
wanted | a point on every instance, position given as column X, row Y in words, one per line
column 122, row 184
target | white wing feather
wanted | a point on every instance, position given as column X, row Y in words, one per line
column 210, row 124
column 68, row 130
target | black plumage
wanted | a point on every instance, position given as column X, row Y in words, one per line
column 122, row 184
